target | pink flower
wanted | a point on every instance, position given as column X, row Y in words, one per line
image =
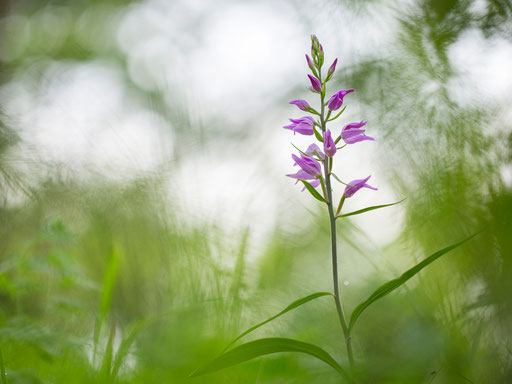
column 352, row 133
column 301, row 103
column 336, row 100
column 329, row 146
column 304, row 125
column 356, row 185
column 315, row 84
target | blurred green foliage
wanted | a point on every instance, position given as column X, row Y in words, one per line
column 101, row 281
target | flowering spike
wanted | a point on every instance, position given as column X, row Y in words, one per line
column 315, row 84
column 304, row 126
column 329, row 146
column 356, row 185
column 302, row 104
column 336, row 100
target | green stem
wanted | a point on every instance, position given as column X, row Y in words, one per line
column 334, row 250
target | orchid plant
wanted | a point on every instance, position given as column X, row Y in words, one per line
column 316, row 164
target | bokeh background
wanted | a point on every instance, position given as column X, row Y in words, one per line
column 145, row 219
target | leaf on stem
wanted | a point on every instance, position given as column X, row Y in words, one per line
column 262, row 347
column 314, row 192
column 338, row 115
column 367, row 209
column 295, row 304
column 318, row 136
column 390, row 286
column 338, row 179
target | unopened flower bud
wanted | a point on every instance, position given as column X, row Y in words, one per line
column 311, row 65
column 331, row 69
column 320, row 55
column 315, row 84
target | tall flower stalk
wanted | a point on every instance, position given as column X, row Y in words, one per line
column 325, row 136
column 316, row 175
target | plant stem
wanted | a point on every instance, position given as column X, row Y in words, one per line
column 334, row 251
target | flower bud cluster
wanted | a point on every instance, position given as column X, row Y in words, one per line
column 316, row 165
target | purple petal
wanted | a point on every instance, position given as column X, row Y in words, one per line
column 301, row 104
column 314, row 149
column 315, row 84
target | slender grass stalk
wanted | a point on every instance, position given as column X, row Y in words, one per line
column 3, row 376
column 334, row 249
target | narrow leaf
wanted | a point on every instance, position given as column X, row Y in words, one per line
column 3, row 377
column 295, row 304
column 338, row 115
column 262, row 347
column 391, row 285
column 318, row 135
column 126, row 343
column 313, row 192
column 338, row 179
column 304, row 153
column 368, row 209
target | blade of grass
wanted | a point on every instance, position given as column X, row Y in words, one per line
column 3, row 376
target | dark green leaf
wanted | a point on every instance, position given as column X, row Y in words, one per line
column 293, row 305
column 313, row 192
column 368, row 209
column 390, row 286
column 262, row 347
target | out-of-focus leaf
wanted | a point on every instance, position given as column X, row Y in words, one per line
column 109, row 281
column 124, row 347
column 295, row 304
column 3, row 377
column 313, row 192
column 262, row 347
column 368, row 209
column 391, row 285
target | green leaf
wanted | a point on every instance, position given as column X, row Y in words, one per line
column 3, row 377
column 126, row 343
column 390, row 286
column 368, row 209
column 262, row 347
column 318, row 135
column 295, row 304
column 339, row 180
column 109, row 280
column 313, row 192
column 338, row 115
